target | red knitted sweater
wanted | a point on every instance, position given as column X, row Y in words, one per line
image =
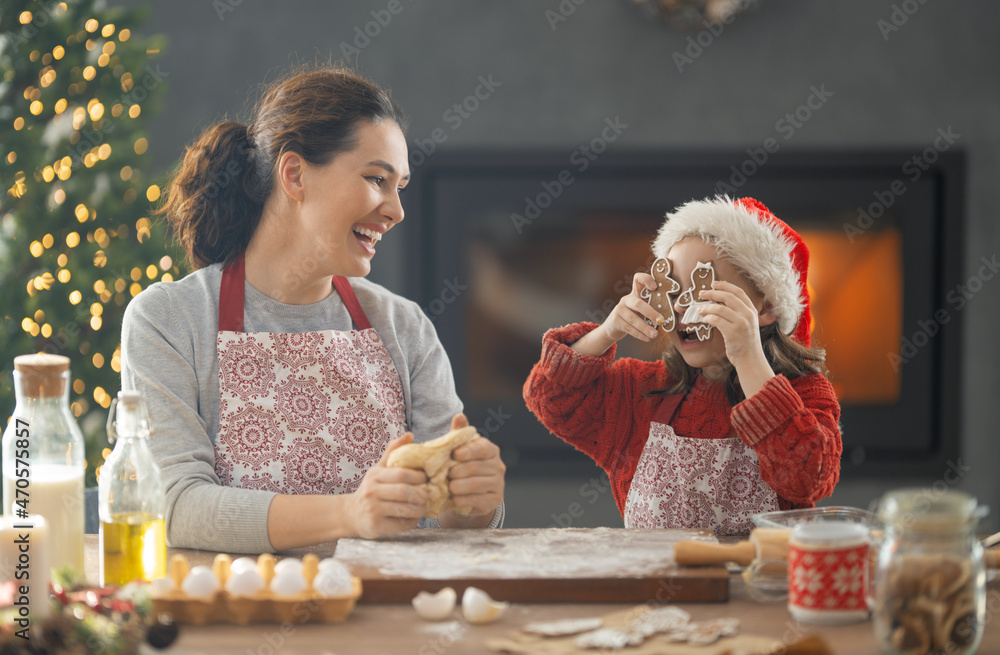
column 598, row 406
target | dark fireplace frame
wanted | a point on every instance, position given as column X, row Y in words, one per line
column 789, row 182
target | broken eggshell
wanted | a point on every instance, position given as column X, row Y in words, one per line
column 435, row 607
column 478, row 607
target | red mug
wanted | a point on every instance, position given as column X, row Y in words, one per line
column 828, row 572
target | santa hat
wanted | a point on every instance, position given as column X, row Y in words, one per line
column 757, row 242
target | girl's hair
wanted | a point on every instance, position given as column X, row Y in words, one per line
column 216, row 197
column 785, row 356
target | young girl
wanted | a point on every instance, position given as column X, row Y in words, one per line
column 722, row 428
column 277, row 377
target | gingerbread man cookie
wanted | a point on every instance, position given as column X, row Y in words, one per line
column 702, row 278
column 659, row 298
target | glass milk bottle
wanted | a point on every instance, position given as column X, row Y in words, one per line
column 131, row 499
column 43, row 459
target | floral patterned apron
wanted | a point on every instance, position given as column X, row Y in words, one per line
column 302, row 413
column 683, row 482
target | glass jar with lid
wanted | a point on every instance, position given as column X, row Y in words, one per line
column 929, row 592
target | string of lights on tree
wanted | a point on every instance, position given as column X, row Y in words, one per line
column 76, row 239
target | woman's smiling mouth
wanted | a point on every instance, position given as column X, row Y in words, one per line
column 367, row 237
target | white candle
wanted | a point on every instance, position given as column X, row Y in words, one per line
column 24, row 560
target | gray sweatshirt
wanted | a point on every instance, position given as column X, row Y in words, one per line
column 169, row 355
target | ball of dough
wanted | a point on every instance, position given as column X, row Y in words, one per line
column 434, row 458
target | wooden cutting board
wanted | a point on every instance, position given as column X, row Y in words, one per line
column 558, row 565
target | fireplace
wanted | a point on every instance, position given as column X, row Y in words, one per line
column 514, row 243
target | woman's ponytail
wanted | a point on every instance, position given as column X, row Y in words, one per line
column 212, row 202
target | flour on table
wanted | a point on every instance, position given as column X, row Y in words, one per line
column 555, row 553
column 563, row 627
column 453, row 628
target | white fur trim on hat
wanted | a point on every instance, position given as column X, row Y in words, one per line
column 753, row 244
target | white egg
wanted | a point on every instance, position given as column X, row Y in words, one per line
column 161, row 586
column 289, row 583
column 244, row 583
column 200, row 582
column 435, row 607
column 332, row 582
column 242, row 564
column 478, row 607
column 288, row 564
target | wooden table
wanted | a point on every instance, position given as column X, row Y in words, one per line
column 392, row 629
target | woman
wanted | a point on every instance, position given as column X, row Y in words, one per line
column 277, row 387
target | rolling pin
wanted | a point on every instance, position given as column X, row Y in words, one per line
column 764, row 543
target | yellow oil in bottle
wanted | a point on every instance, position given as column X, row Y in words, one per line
column 133, row 546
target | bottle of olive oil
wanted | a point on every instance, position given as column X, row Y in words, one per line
column 131, row 499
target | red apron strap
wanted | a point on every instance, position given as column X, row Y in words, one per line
column 351, row 301
column 668, row 407
column 231, row 297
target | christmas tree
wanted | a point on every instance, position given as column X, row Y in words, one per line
column 77, row 241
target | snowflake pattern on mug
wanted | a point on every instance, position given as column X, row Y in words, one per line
column 847, row 580
column 827, row 579
column 808, row 579
column 681, row 482
column 305, row 413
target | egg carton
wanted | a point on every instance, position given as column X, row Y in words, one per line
column 263, row 606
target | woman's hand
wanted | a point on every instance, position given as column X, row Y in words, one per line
column 389, row 499
column 735, row 316
column 476, row 482
column 627, row 318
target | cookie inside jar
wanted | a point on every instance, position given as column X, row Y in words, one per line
column 929, row 580
column 930, row 604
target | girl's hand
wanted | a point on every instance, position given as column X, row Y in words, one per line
column 735, row 316
column 627, row 318
column 389, row 499
column 476, row 482
column 630, row 314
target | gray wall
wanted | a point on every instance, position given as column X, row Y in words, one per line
column 939, row 69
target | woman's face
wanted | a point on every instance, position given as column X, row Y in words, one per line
column 709, row 355
column 350, row 203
